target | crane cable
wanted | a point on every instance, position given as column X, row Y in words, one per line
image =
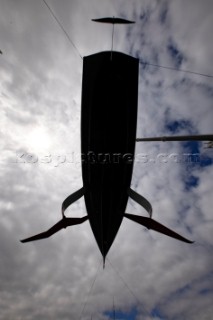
column 62, row 28
column 129, row 289
column 175, row 69
column 142, row 62
column 90, row 291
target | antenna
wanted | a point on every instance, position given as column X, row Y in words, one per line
column 113, row 21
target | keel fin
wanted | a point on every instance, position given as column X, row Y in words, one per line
column 154, row 225
column 63, row 223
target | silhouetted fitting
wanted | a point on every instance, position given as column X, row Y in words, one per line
column 200, row 137
column 113, row 20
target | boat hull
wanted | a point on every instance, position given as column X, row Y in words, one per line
column 108, row 133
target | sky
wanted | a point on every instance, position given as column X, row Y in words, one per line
column 147, row 275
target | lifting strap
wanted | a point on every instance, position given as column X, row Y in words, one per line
column 141, row 201
column 72, row 198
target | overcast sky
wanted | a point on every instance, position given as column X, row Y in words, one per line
column 148, row 275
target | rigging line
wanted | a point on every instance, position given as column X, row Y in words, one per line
column 181, row 70
column 113, row 308
column 126, row 285
column 90, row 290
column 62, row 28
column 113, row 26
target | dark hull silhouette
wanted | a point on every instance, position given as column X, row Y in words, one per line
column 108, row 133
